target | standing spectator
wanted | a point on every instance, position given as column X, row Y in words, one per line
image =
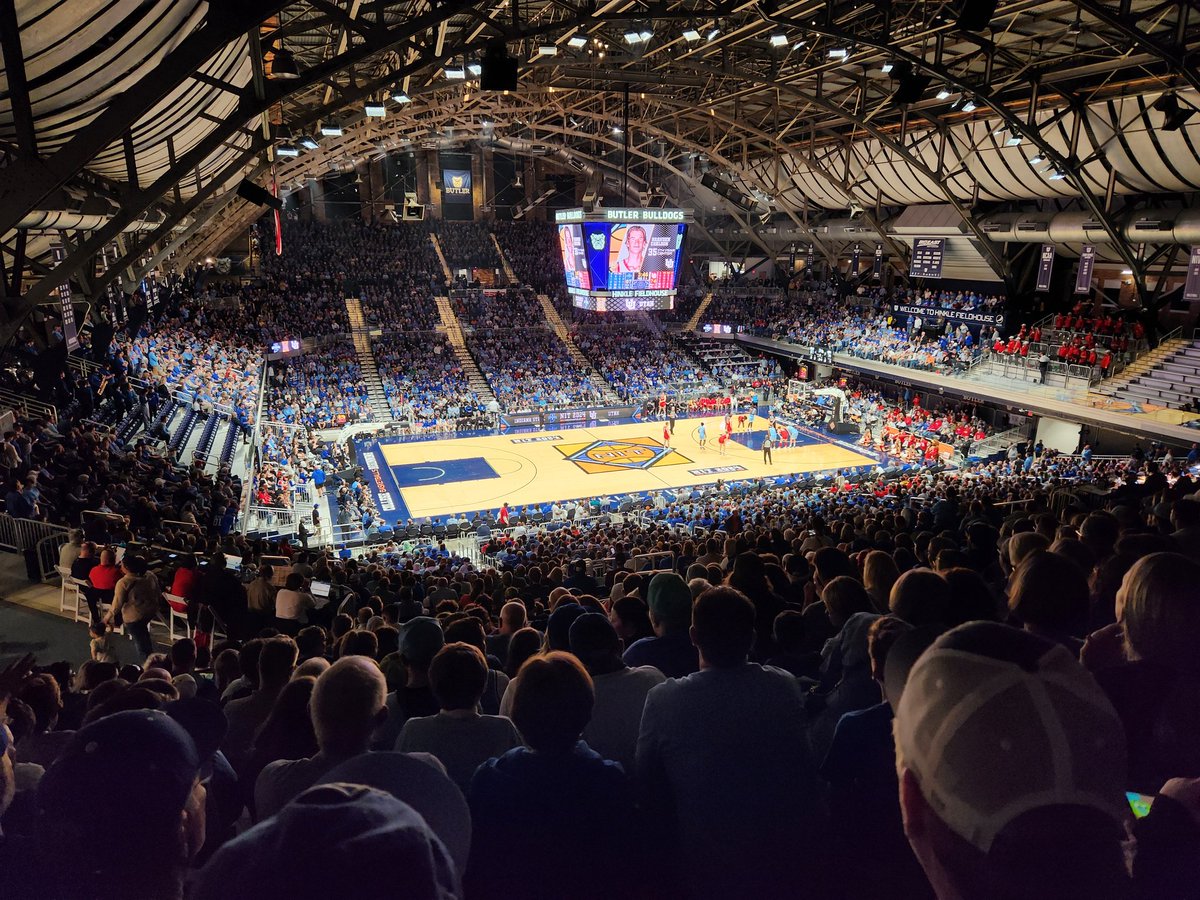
column 136, row 602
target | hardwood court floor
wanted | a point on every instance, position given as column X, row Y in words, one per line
column 436, row 478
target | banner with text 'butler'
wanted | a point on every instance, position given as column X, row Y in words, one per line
column 456, row 184
column 927, row 256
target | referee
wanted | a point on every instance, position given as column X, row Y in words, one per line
column 766, row 447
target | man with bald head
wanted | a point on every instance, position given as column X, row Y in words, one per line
column 512, row 619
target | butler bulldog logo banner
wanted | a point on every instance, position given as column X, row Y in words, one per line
column 456, row 182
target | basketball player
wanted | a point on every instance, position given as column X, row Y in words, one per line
column 741, row 422
column 666, row 435
column 785, row 437
column 721, row 439
column 751, row 420
column 701, row 435
column 671, row 418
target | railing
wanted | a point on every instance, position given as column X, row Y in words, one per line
column 42, row 538
column 252, row 475
column 29, row 407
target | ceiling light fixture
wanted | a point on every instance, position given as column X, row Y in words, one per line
column 1014, row 140
column 577, row 42
column 839, row 53
column 283, row 65
column 374, row 109
column 712, row 33
column 331, row 130
column 800, row 43
column 779, row 40
column 1058, row 175
column 970, row 106
column 690, row 34
column 943, row 93
column 886, row 68
column 548, row 50
column 455, row 74
column 1075, row 27
column 287, row 150
column 1037, row 159
column 475, row 69
column 402, row 98
column 308, row 142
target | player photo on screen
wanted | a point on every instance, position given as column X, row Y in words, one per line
column 570, row 243
column 642, row 256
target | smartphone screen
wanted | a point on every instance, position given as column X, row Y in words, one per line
column 1139, row 803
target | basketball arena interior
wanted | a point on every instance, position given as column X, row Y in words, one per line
column 783, row 415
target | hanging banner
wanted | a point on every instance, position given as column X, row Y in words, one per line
column 66, row 306
column 278, row 218
column 808, row 260
column 1087, row 261
column 792, row 260
column 927, row 258
column 1045, row 267
column 877, row 271
column 1191, row 288
column 456, row 183
column 854, row 257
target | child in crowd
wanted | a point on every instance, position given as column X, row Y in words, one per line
column 103, row 648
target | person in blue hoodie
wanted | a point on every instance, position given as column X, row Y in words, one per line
column 552, row 819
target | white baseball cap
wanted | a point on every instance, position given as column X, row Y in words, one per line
column 996, row 722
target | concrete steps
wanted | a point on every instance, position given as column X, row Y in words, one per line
column 437, row 248
column 554, row 320
column 452, row 328
column 694, row 322
column 361, row 335
column 509, row 275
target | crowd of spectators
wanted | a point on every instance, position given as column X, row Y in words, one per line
column 530, row 368
column 939, row 685
column 640, row 362
column 468, row 245
column 531, row 248
column 321, row 389
column 422, row 378
column 509, row 308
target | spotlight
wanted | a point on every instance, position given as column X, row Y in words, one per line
column 839, row 53
column 283, row 66
column 547, row 50
column 1014, row 140
column 645, row 34
column 1058, row 175
column 402, row 98
column 943, row 93
column 577, row 42
column 969, row 106
column 799, row 44
column 1037, row 159
column 309, row 143
column 456, row 74
column 374, row 109
column 287, row 150
column 691, row 35
column 779, row 40
column 617, row 130
column 331, row 130
column 475, row 69
column 886, row 68
column 712, row 33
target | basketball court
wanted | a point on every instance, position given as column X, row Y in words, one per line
column 466, row 475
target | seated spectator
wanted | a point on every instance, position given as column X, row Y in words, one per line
column 983, row 820
column 671, row 650
column 620, row 690
column 458, row 735
column 419, row 644
column 276, row 660
column 728, row 744
column 547, row 794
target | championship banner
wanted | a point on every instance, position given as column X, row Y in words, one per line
column 456, row 183
column 877, row 270
column 808, row 259
column 792, row 260
column 1045, row 267
column 927, row 258
column 66, row 306
column 1087, row 261
column 1191, row 287
column 854, row 258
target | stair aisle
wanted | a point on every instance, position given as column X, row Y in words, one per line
column 454, row 334
column 694, row 322
column 509, row 275
column 1169, row 375
column 437, row 248
column 361, row 335
column 554, row 320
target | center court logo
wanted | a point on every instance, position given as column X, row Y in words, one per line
column 617, row 456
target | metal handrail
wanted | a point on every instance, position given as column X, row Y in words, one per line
column 30, row 407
